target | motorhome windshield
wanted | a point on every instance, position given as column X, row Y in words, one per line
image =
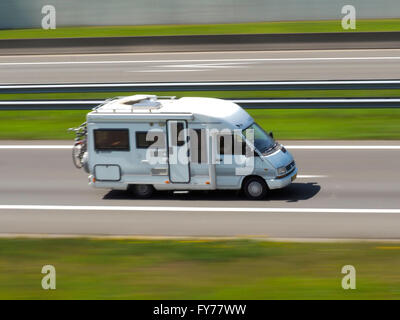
column 262, row 140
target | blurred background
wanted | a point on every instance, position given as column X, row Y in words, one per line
column 18, row 13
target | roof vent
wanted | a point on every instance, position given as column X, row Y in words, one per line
column 142, row 102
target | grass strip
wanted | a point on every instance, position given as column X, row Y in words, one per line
column 196, row 269
column 346, row 124
column 203, row 29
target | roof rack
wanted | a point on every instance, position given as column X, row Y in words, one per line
column 147, row 102
column 135, row 102
column 167, row 97
column 105, row 102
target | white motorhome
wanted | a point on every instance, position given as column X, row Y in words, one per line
column 144, row 143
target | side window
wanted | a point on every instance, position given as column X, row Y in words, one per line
column 150, row 139
column 229, row 144
column 198, row 145
column 225, row 144
column 111, row 140
column 177, row 135
column 240, row 145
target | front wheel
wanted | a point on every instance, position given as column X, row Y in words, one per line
column 255, row 188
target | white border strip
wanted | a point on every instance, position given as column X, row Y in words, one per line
column 193, row 209
column 310, row 176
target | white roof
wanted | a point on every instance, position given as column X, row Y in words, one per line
column 202, row 109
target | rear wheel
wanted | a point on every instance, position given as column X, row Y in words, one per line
column 143, row 191
column 255, row 188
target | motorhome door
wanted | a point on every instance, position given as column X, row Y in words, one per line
column 178, row 151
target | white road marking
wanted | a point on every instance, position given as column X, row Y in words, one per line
column 310, row 176
column 170, row 70
column 305, row 147
column 56, row 102
column 195, row 209
column 35, row 147
column 197, row 60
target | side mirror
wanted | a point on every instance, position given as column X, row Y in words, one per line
column 271, row 134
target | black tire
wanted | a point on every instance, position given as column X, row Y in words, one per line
column 255, row 188
column 143, row 191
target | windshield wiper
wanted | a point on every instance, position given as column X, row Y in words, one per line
column 269, row 148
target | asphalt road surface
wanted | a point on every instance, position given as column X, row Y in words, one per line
column 204, row 66
column 345, row 190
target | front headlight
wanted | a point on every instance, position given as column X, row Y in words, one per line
column 281, row 171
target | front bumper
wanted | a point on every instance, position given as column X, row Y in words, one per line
column 283, row 182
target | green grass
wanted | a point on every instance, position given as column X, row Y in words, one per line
column 237, row 28
column 384, row 93
column 32, row 125
column 339, row 124
column 286, row 124
column 134, row 269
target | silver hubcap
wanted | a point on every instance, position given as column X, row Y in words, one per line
column 255, row 188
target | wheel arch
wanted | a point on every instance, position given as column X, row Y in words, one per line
column 246, row 178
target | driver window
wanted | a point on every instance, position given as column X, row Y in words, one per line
column 231, row 144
